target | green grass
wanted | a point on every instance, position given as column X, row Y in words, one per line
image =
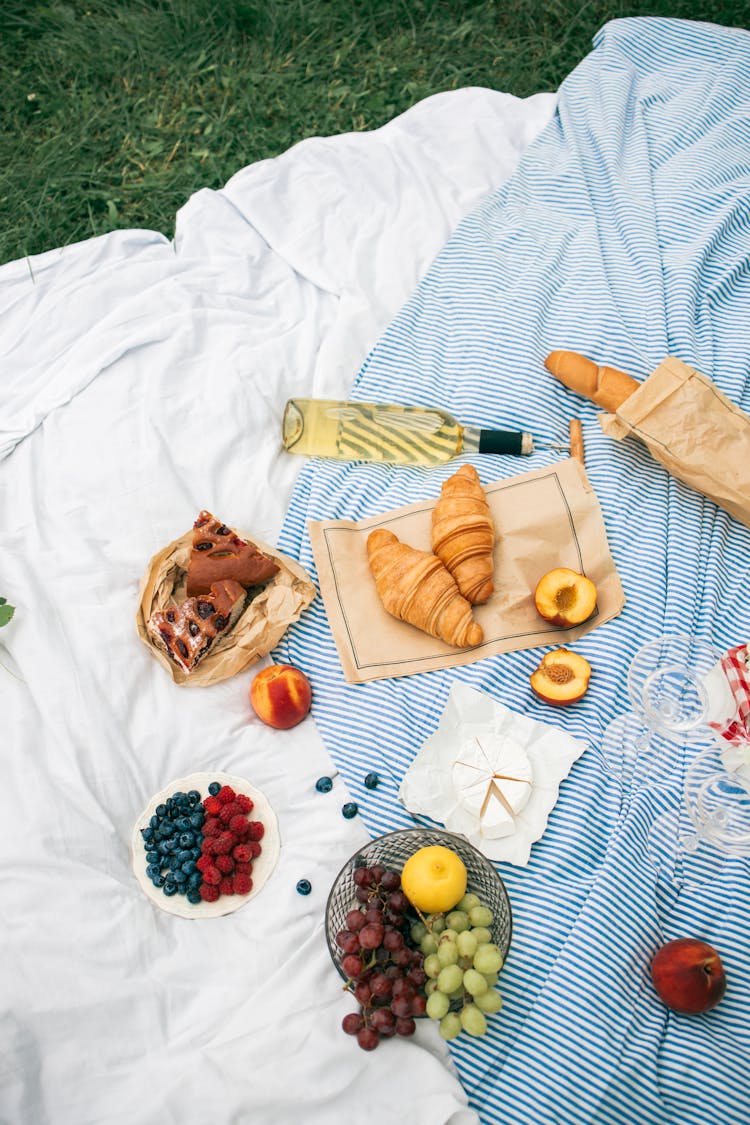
column 113, row 113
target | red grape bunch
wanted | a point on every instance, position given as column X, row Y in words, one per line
column 384, row 972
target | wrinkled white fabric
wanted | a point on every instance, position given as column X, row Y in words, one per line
column 142, row 380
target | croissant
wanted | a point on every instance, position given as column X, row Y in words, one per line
column 415, row 587
column 606, row 386
column 463, row 534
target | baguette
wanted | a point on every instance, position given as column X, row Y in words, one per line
column 606, row 386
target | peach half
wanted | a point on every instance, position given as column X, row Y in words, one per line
column 562, row 678
column 564, row 597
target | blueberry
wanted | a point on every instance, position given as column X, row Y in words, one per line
column 324, row 785
column 349, row 810
column 161, row 811
column 195, row 879
column 180, row 876
column 304, row 887
column 193, row 896
column 372, row 781
column 147, row 833
column 186, row 839
column 157, row 880
column 170, row 877
column 196, row 820
column 214, row 788
column 170, row 803
column 154, row 822
column 183, row 857
column 182, row 824
column 198, row 840
column 164, row 830
column 169, row 888
column 152, row 857
column 193, row 797
column 178, row 797
column 195, row 853
column 188, row 867
column 152, row 870
column 170, row 844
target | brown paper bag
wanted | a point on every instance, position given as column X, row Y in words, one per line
column 692, row 429
column 262, row 625
column 544, row 519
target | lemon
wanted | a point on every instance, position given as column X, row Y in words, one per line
column 434, row 879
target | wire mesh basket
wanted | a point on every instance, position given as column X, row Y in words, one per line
column 392, row 851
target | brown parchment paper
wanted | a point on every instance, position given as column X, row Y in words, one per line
column 543, row 519
column 694, row 430
column 262, row 625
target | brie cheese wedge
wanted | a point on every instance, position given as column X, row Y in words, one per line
column 493, row 779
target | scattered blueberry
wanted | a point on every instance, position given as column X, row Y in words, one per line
column 372, row 781
column 304, row 887
column 324, row 785
column 214, row 788
column 349, row 810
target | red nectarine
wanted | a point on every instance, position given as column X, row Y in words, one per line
column 562, row 677
column 688, row 976
column 281, row 696
column 564, row 597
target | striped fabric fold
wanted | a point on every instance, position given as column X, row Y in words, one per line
column 625, row 235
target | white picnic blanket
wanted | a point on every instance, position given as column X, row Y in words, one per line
column 143, row 379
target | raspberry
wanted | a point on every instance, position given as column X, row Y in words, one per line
column 225, row 864
column 239, row 825
column 256, row 830
column 226, row 794
column 212, row 805
column 211, row 875
column 203, row 862
column 228, row 811
column 244, row 802
column 243, row 884
column 255, row 848
column 226, row 886
column 243, row 868
column 223, row 844
column 211, row 826
column 208, row 847
column 209, row 893
column 242, row 853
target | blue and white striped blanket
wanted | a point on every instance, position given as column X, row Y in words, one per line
column 624, row 235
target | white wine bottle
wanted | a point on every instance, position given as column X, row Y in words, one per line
column 389, row 432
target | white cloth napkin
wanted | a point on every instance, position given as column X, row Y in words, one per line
column 427, row 788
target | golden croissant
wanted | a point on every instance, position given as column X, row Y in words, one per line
column 415, row 587
column 463, row 534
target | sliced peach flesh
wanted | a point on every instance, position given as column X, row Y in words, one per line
column 561, row 678
column 564, row 597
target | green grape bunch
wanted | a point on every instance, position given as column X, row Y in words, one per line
column 462, row 964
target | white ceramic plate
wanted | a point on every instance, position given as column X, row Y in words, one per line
column 262, row 866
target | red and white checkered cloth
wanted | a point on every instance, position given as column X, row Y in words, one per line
column 736, row 667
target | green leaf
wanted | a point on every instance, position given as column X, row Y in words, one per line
column 6, row 612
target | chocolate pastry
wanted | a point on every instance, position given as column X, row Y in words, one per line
column 187, row 631
column 219, row 553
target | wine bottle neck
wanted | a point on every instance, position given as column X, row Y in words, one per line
column 476, row 440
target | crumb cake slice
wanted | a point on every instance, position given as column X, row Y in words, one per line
column 219, row 553
column 186, row 632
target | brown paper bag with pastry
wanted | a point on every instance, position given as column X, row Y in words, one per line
column 688, row 425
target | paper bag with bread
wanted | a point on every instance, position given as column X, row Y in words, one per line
column 683, row 418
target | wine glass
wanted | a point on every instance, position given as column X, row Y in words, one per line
column 670, row 703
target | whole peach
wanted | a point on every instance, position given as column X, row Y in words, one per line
column 281, row 696
column 688, row 976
